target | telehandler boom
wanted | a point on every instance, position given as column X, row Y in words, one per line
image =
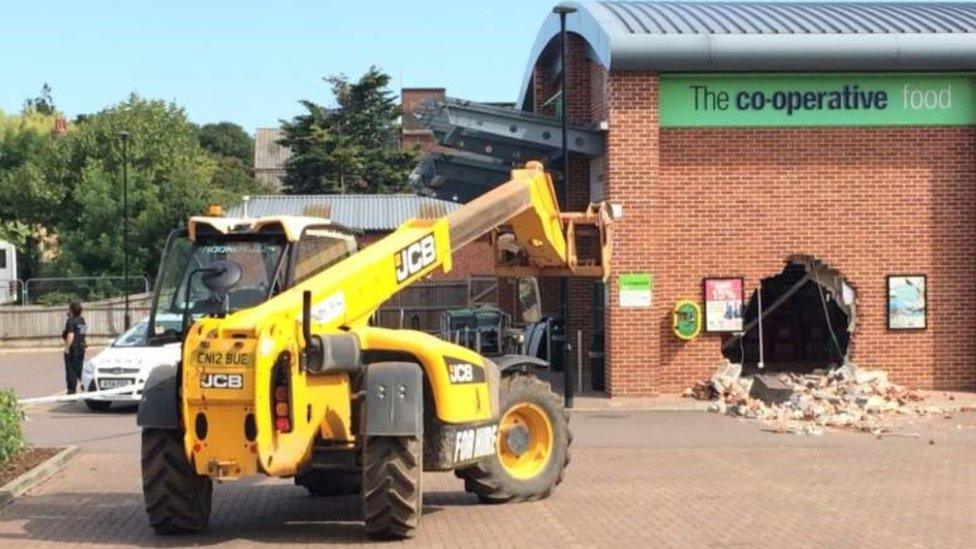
column 283, row 375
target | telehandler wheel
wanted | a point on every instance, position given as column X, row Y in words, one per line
column 323, row 484
column 392, row 492
column 532, row 450
column 177, row 498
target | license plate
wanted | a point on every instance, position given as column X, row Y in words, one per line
column 113, row 383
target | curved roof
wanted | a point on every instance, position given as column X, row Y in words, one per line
column 767, row 36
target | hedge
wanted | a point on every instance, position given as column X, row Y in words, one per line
column 11, row 436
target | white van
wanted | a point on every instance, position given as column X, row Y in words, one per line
column 8, row 272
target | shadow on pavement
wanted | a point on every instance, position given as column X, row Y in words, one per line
column 79, row 407
column 246, row 512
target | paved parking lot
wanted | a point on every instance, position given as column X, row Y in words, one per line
column 637, row 479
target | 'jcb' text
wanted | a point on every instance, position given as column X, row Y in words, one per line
column 222, row 381
column 410, row 260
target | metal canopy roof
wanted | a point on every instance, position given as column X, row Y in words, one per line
column 458, row 176
column 761, row 36
column 507, row 134
column 489, row 141
column 365, row 212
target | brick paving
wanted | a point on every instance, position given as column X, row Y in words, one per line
column 637, row 479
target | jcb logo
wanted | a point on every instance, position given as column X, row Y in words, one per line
column 461, row 373
column 410, row 260
column 221, row 381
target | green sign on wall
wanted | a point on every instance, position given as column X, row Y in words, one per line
column 816, row 99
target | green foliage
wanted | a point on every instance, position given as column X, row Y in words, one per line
column 11, row 435
column 42, row 104
column 72, row 185
column 352, row 148
column 226, row 139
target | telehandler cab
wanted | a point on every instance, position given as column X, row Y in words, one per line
column 282, row 374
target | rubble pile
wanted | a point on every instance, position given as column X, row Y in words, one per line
column 846, row 397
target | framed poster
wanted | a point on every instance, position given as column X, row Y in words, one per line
column 723, row 304
column 907, row 302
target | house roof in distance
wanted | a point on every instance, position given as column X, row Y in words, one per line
column 365, row 212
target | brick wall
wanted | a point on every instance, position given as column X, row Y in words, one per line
column 866, row 201
column 414, row 134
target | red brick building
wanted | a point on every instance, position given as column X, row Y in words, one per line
column 819, row 149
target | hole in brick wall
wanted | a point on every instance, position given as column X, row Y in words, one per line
column 808, row 320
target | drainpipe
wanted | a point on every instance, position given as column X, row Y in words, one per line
column 761, row 364
column 569, row 384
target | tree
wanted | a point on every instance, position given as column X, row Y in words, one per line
column 226, row 139
column 170, row 178
column 351, row 148
column 43, row 103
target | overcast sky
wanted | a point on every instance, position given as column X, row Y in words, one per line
column 250, row 62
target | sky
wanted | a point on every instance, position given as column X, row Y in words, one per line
column 250, row 62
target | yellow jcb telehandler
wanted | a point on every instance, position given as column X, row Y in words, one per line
column 283, row 375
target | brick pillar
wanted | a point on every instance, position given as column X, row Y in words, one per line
column 633, row 335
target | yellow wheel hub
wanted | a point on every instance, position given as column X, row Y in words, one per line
column 525, row 440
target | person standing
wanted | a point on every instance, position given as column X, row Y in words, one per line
column 74, row 346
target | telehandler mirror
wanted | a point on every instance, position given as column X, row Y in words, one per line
column 221, row 275
column 529, row 302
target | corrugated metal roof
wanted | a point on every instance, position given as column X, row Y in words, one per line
column 366, row 212
column 790, row 18
column 767, row 36
column 268, row 154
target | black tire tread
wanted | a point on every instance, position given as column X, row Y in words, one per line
column 177, row 499
column 485, row 479
column 392, row 493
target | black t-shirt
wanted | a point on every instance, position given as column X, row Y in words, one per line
column 77, row 326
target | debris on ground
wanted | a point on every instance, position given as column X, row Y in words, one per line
column 846, row 397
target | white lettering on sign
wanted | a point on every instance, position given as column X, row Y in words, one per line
column 474, row 443
column 928, row 99
column 410, row 260
column 222, row 381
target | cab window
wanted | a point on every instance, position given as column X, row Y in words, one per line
column 320, row 249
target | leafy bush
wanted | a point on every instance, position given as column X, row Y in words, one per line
column 11, row 436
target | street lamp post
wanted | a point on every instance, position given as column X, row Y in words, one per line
column 124, row 136
column 569, row 377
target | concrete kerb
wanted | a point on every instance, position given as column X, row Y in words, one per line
column 37, row 475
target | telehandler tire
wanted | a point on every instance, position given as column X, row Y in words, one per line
column 177, row 498
column 532, row 449
column 392, row 489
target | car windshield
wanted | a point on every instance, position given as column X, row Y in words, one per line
column 252, row 260
column 136, row 335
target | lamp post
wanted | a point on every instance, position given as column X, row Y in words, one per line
column 569, row 378
column 124, row 136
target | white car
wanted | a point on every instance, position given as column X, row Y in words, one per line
column 127, row 360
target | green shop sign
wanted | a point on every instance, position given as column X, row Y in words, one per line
column 816, row 99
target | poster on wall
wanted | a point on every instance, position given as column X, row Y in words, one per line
column 635, row 290
column 907, row 303
column 723, row 305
